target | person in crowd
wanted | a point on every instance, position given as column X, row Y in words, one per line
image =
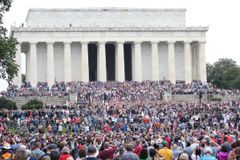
column 108, row 151
column 132, row 119
column 144, row 154
column 197, row 153
column 21, row 154
column 65, row 154
column 55, row 155
column 166, row 152
column 92, row 153
column 223, row 154
column 138, row 148
column 129, row 154
column 37, row 153
column 208, row 154
column 183, row 156
column 6, row 152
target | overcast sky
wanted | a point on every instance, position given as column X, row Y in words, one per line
column 222, row 17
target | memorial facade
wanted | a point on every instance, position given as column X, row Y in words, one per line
column 118, row 44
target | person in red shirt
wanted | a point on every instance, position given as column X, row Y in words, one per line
column 138, row 148
column 66, row 154
column 106, row 128
column 78, row 120
column 169, row 141
column 145, row 120
column 108, row 152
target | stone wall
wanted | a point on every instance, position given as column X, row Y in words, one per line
column 102, row 17
column 72, row 98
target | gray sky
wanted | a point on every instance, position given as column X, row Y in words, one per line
column 222, row 17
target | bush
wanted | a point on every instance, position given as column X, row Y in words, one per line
column 7, row 104
column 216, row 99
column 33, row 104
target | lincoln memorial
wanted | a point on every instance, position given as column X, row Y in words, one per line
column 110, row 44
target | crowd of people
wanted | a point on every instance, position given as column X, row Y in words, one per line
column 115, row 129
column 123, row 121
column 128, row 87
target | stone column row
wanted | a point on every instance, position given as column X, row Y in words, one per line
column 67, row 62
column 101, row 62
column 171, row 61
column 120, row 68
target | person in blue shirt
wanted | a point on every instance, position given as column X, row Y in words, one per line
column 208, row 154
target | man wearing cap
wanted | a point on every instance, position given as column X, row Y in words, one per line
column 166, row 152
column 92, row 153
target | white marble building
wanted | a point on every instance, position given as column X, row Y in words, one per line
column 110, row 44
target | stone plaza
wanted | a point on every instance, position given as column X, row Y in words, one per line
column 110, row 44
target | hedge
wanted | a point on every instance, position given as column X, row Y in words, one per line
column 7, row 104
column 33, row 104
column 216, row 99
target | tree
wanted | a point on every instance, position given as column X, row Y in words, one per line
column 236, row 83
column 8, row 66
column 216, row 72
column 33, row 104
column 230, row 77
column 7, row 104
column 209, row 72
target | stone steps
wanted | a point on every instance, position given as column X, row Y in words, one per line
column 46, row 100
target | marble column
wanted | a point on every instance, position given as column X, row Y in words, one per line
column 202, row 62
column 84, row 63
column 171, row 62
column 187, row 62
column 18, row 79
column 67, row 62
column 155, row 65
column 137, row 61
column 101, row 62
column 33, row 63
column 50, row 64
column 120, row 69
column 194, row 50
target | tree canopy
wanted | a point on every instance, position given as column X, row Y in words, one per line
column 224, row 74
column 8, row 66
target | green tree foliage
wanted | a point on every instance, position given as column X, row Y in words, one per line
column 7, row 104
column 8, row 66
column 224, row 74
column 209, row 72
column 33, row 104
column 236, row 83
column 230, row 76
